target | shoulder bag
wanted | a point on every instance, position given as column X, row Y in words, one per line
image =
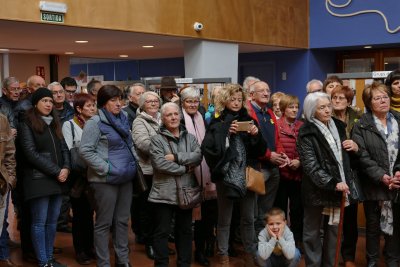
column 255, row 181
column 77, row 163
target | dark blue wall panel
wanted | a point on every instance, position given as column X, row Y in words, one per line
column 127, row 70
column 162, row 67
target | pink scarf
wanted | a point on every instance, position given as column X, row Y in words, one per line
column 197, row 128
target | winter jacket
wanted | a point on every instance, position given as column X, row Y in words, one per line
column 7, row 155
column 218, row 154
column 288, row 136
column 374, row 158
column 107, row 155
column 66, row 113
column 7, row 111
column 320, row 169
column 143, row 128
column 187, row 152
column 44, row 156
column 131, row 110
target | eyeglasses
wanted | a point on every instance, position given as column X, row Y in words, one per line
column 340, row 98
column 70, row 92
column 380, row 98
column 192, row 102
column 14, row 89
column 152, row 101
column 263, row 91
column 58, row 92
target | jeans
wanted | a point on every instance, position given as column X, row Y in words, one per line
column 44, row 213
column 280, row 261
column 4, row 250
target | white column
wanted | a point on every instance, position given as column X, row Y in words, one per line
column 206, row 59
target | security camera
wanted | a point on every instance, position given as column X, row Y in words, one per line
column 197, row 26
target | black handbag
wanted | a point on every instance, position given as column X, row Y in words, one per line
column 77, row 163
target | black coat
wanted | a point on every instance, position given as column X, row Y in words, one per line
column 320, row 169
column 44, row 155
column 374, row 158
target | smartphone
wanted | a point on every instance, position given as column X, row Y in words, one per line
column 244, row 126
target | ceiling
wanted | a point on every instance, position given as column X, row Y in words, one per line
column 39, row 38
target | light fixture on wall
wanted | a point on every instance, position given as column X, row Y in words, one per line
column 367, row 47
column 53, row 7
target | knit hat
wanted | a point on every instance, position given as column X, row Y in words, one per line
column 39, row 94
column 168, row 83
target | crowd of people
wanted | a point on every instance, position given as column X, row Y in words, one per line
column 114, row 158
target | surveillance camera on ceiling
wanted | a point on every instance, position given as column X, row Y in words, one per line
column 198, row 26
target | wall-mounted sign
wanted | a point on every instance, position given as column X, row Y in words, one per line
column 40, row 71
column 380, row 74
column 52, row 17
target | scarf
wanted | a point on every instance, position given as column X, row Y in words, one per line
column 395, row 103
column 79, row 121
column 47, row 119
column 390, row 134
column 195, row 126
column 120, row 124
column 331, row 135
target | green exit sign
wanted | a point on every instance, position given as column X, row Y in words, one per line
column 52, row 17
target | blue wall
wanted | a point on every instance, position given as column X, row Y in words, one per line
column 327, row 30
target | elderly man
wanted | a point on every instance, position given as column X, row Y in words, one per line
column 133, row 92
column 93, row 87
column 169, row 90
column 314, row 86
column 7, row 180
column 70, row 86
column 9, row 100
column 274, row 157
column 65, row 111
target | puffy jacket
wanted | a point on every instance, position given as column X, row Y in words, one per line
column 320, row 169
column 44, row 156
column 288, row 136
column 374, row 159
column 143, row 128
column 107, row 155
column 187, row 152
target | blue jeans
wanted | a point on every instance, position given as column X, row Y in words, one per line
column 4, row 250
column 44, row 212
column 280, row 261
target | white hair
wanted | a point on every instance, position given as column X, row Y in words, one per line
column 144, row 96
column 53, row 84
column 311, row 102
column 247, row 81
column 169, row 104
column 311, row 82
column 189, row 92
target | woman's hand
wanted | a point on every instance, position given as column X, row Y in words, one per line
column 342, row 186
column 62, row 177
column 170, row 157
column 233, row 127
column 350, row 145
column 294, row 164
column 253, row 130
column 386, row 180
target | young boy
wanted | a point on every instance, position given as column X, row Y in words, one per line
column 276, row 246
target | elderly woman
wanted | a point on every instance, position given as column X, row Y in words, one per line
column 174, row 154
column 290, row 176
column 107, row 148
column 322, row 148
column 82, row 221
column 45, row 171
column 204, row 222
column 228, row 152
column 342, row 97
column 393, row 84
column 146, row 125
column 377, row 135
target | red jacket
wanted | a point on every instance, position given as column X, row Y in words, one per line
column 288, row 137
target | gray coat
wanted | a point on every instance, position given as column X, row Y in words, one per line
column 187, row 152
column 143, row 128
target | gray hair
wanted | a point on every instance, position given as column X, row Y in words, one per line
column 252, row 87
column 143, row 98
column 310, row 104
column 311, row 82
column 91, row 84
column 169, row 104
column 189, row 92
column 130, row 88
column 8, row 81
column 53, row 84
column 247, row 81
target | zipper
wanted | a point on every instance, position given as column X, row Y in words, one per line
column 54, row 144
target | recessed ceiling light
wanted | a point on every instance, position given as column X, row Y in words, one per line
column 367, row 46
column 123, row 55
column 69, row 53
column 386, row 63
column 81, row 42
column 147, row 46
column 4, row 50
